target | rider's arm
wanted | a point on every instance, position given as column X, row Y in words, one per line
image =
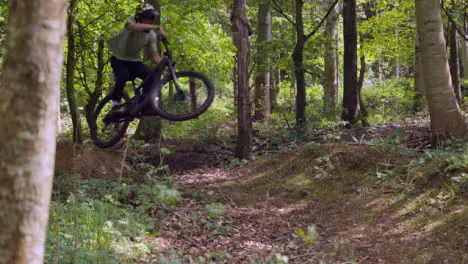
column 142, row 27
column 152, row 47
column 156, row 57
column 134, row 26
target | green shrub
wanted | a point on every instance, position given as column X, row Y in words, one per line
column 389, row 100
column 103, row 221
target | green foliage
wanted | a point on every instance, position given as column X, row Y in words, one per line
column 391, row 31
column 313, row 146
column 206, row 127
column 197, row 43
column 396, row 137
column 105, row 222
column 389, row 100
column 215, row 209
column 95, row 231
column 309, row 237
column 218, row 228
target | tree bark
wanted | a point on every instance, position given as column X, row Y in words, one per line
column 235, row 86
column 453, row 62
column 149, row 128
column 351, row 106
column 94, row 98
column 30, row 84
column 330, row 87
column 262, row 80
column 240, row 35
column 418, row 78
column 464, row 51
column 446, row 118
column 363, row 114
column 70, row 77
column 298, row 58
column 274, row 88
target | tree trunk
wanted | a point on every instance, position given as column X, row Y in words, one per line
column 453, row 62
column 446, row 119
column 397, row 58
column 240, row 35
column 70, row 77
column 330, row 86
column 30, row 85
column 93, row 100
column 351, row 92
column 298, row 58
column 262, row 80
column 363, row 114
column 149, row 128
column 464, row 49
column 418, row 78
column 235, row 86
column 274, row 88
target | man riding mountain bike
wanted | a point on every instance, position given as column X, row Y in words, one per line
column 126, row 46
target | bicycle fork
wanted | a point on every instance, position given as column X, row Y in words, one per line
column 180, row 94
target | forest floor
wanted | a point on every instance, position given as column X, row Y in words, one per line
column 360, row 196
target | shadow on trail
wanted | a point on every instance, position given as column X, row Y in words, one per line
column 367, row 204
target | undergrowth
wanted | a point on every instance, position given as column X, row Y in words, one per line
column 99, row 221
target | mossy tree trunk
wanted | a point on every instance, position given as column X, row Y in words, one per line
column 262, row 80
column 70, row 77
column 453, row 62
column 330, row 87
column 240, row 36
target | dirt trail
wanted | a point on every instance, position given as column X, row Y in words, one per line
column 358, row 218
column 368, row 204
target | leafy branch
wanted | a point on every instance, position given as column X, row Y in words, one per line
column 323, row 20
column 463, row 34
column 278, row 9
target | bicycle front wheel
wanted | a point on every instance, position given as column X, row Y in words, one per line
column 186, row 98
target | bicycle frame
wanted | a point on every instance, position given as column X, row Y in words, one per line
column 156, row 73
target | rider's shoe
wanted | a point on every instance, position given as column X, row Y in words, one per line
column 117, row 112
column 180, row 97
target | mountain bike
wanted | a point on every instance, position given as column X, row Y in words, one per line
column 175, row 96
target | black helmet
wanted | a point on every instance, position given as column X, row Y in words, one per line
column 147, row 12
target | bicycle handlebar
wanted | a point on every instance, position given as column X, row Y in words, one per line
column 164, row 41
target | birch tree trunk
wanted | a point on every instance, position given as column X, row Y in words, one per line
column 30, row 84
column 240, row 36
column 331, row 67
column 446, row 118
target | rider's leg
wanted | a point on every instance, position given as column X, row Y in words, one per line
column 121, row 76
column 140, row 70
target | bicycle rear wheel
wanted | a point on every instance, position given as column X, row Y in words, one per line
column 194, row 96
column 106, row 135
